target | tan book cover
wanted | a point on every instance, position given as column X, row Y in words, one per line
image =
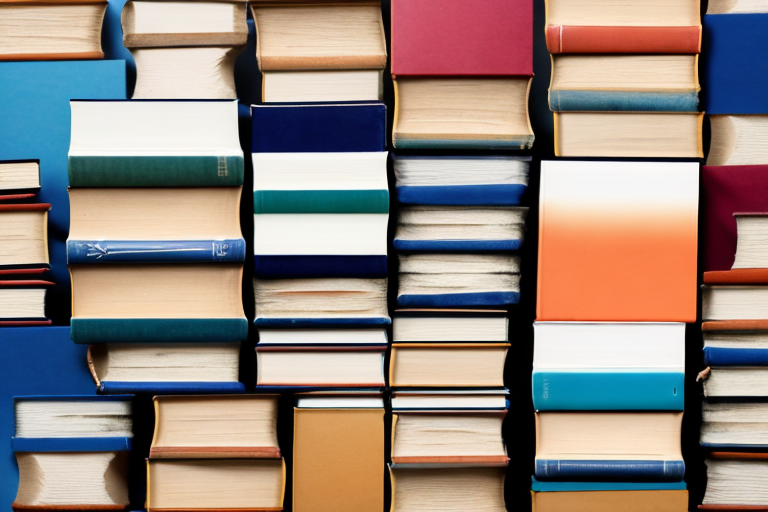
column 611, row 501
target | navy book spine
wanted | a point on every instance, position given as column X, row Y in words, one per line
column 119, row 387
column 70, row 444
column 609, row 470
column 139, row 251
column 458, row 300
column 462, row 195
column 720, row 356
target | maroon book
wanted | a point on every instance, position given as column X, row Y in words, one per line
column 727, row 190
column 462, row 37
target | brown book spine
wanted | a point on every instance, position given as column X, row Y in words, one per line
column 735, row 325
column 737, row 276
column 223, row 452
column 496, row 460
column 322, row 63
column 225, row 39
column 593, row 39
column 738, row 455
column 52, row 56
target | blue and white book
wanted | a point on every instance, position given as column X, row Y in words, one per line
column 460, row 228
column 461, row 180
column 736, row 346
column 554, row 486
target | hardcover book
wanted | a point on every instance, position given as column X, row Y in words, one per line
column 658, row 500
column 426, row 489
column 24, row 236
column 736, row 481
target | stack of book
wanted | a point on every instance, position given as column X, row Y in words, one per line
column 625, row 78
column 185, row 50
column 734, row 328
column 72, row 452
column 323, row 50
column 215, row 453
column 24, row 238
column 617, row 279
column 155, row 249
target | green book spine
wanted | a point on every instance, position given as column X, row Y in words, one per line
column 158, row 330
column 321, row 201
column 156, row 171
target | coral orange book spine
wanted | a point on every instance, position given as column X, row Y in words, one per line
column 51, row 56
column 590, row 39
column 737, row 276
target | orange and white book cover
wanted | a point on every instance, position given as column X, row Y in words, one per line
column 618, row 241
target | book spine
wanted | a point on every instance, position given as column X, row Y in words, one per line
column 290, row 266
column 626, row 101
column 15, row 57
column 136, row 251
column 156, row 171
column 594, row 39
column 158, row 330
column 321, row 201
column 71, row 444
column 457, row 245
column 471, row 195
column 457, row 300
column 121, row 387
column 569, row 391
column 514, row 143
column 668, row 471
column 322, row 322
column 719, row 356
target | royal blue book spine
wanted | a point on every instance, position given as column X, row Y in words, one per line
column 362, row 266
column 71, row 444
column 117, row 387
column 723, row 447
column 458, row 300
column 171, row 251
column 457, row 245
column 462, row 195
column 626, row 101
column 610, row 470
column 319, row 128
column 719, row 356
column 607, row 390
column 323, row 322
column 549, row 486
column 158, row 330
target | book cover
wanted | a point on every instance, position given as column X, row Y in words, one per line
column 155, row 251
column 552, row 486
column 617, row 39
column 610, row 470
column 458, row 300
column 462, row 37
column 158, row 330
column 627, row 261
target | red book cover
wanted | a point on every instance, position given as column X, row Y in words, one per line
column 16, row 197
column 462, row 37
column 595, row 39
column 737, row 276
column 25, row 207
column 727, row 190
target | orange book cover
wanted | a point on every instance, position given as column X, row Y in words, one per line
column 604, row 39
column 737, row 276
column 618, row 241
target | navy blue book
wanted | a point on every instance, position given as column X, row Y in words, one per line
column 610, row 470
column 735, row 70
column 155, row 251
column 458, row 300
column 319, row 128
column 722, row 356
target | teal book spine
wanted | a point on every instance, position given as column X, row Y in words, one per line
column 158, row 330
column 156, row 171
column 608, row 390
column 321, row 201
column 624, row 101
column 524, row 142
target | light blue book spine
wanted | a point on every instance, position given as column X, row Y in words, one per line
column 626, row 101
column 608, row 390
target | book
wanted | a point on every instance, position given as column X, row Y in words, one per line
column 323, row 338
column 466, row 113
column 450, row 400
column 439, row 489
column 462, row 180
column 48, row 30
column 316, row 366
column 447, row 365
column 735, row 481
column 154, row 225
column 215, row 426
column 22, row 302
column 626, row 261
column 629, row 500
column 664, row 83
column 335, row 445
column 319, row 128
column 736, row 7
column 446, row 437
column 734, row 74
column 459, row 228
column 727, row 190
column 173, row 24
column 458, row 280
column 19, row 177
column 628, row 134
column 215, row 484
column 118, row 368
column 735, row 342
column 155, row 144
column 24, row 235
column 751, row 229
column 607, row 446
column 737, row 140
column 734, row 425
column 320, row 245
column 608, row 366
column 201, row 73
column 456, row 37
column 319, row 35
column 734, row 295
column 320, row 302
column 736, row 382
column 128, row 302
column 626, row 27
column 553, row 486
column 322, row 86
column 429, row 325
column 332, row 182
